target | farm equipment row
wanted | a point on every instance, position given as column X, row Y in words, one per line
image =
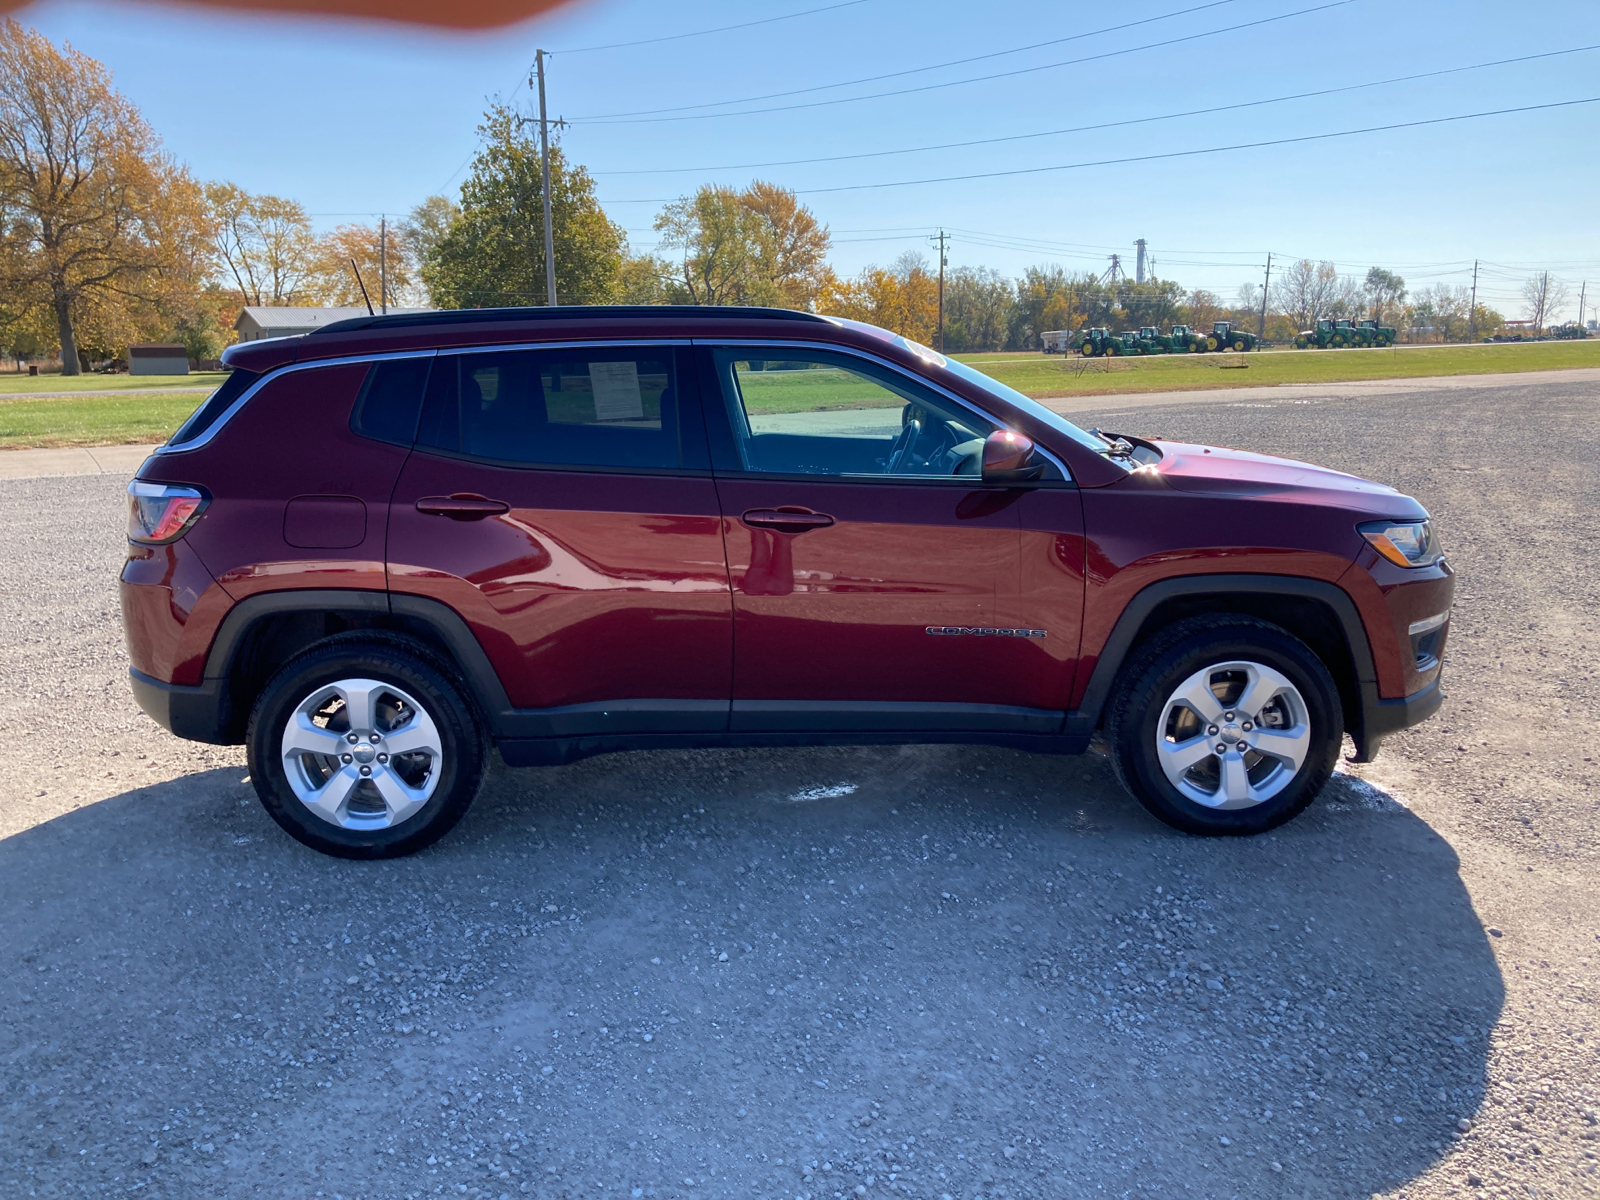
column 1180, row 339
column 1340, row 335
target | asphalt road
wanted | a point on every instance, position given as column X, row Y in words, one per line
column 918, row 972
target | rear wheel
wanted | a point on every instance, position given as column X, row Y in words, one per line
column 1225, row 726
column 1087, row 349
column 364, row 750
column 1212, row 343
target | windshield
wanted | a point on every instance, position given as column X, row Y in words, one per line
column 988, row 384
column 1032, row 407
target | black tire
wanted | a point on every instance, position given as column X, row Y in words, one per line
column 413, row 670
column 1150, row 679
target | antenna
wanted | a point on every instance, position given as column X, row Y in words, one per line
column 363, row 288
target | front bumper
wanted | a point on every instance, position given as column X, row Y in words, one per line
column 1380, row 718
column 196, row 713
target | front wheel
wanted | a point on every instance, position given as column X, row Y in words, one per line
column 1225, row 726
column 364, row 750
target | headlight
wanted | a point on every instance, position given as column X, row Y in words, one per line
column 1404, row 543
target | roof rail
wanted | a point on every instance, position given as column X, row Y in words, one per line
column 480, row 316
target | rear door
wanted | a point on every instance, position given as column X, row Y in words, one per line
column 560, row 500
column 877, row 584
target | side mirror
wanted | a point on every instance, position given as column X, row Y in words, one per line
column 1010, row 458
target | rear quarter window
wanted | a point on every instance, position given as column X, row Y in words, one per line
column 212, row 408
column 391, row 400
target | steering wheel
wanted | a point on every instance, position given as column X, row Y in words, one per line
column 900, row 452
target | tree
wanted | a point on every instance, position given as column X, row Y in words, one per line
column 902, row 297
column 426, row 226
column 265, row 243
column 1544, row 296
column 977, row 309
column 794, row 245
column 97, row 225
column 1203, row 309
column 723, row 249
column 1384, row 290
column 331, row 281
column 493, row 253
column 1306, row 291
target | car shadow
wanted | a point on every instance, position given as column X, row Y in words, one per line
column 951, row 969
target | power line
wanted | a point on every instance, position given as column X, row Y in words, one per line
column 1109, row 162
column 954, row 62
column 645, row 118
column 674, row 37
column 1194, row 112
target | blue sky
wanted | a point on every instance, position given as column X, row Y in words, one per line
column 356, row 119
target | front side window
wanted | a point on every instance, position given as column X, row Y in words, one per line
column 600, row 408
column 820, row 413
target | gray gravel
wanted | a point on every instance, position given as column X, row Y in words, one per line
column 928, row 972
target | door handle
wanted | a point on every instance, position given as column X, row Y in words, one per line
column 787, row 520
column 462, row 506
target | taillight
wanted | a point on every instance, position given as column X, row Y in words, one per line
column 162, row 512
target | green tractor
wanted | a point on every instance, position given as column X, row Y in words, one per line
column 1224, row 336
column 1149, row 341
column 1094, row 342
column 1183, row 341
column 1377, row 335
column 1326, row 336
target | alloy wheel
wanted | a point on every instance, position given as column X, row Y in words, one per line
column 362, row 754
column 1233, row 735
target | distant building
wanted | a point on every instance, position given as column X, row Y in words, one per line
column 270, row 321
column 158, row 360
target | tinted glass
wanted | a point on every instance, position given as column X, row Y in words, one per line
column 214, row 405
column 815, row 413
column 615, row 408
column 391, row 400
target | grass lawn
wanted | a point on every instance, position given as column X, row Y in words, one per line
column 108, row 413
column 1040, row 376
column 106, row 419
column 21, row 385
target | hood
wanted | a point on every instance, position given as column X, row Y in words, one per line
column 1216, row 471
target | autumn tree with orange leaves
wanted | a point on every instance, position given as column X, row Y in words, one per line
column 99, row 228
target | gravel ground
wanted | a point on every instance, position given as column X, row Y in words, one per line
column 924, row 972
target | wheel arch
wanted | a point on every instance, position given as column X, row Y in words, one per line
column 263, row 632
column 1319, row 613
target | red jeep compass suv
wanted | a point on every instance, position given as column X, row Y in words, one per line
column 381, row 546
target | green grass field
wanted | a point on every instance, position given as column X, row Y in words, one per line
column 23, row 385
column 108, row 413
column 1042, row 377
column 104, row 419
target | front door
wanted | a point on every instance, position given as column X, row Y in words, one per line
column 876, row 582
column 561, row 502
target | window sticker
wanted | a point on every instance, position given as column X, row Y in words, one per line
column 616, row 391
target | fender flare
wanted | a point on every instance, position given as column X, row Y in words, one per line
column 452, row 631
column 1085, row 719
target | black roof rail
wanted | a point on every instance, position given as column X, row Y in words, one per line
column 482, row 316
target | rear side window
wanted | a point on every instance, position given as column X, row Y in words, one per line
column 214, row 405
column 391, row 400
column 600, row 408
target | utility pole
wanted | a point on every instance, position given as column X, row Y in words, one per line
column 1583, row 293
column 544, row 186
column 383, row 264
column 1266, row 284
column 941, row 237
column 1472, row 312
column 1139, row 267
